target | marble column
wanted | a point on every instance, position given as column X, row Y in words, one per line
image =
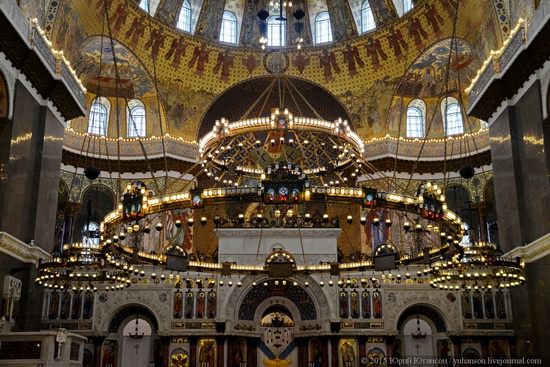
column 71, row 211
column 457, row 346
column 220, row 341
column 98, row 342
column 30, row 162
column 334, row 351
column 165, row 342
column 193, row 341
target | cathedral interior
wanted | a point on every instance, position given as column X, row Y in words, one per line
column 243, row 183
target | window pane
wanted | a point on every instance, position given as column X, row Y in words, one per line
column 323, row 33
column 98, row 119
column 184, row 19
column 407, row 5
column 136, row 125
column 228, row 32
column 415, row 123
column 367, row 18
column 454, row 120
column 276, row 32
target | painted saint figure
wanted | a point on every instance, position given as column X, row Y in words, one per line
column 178, row 305
column 136, row 30
column 327, row 61
column 344, row 304
column 176, row 51
column 375, row 51
column 211, row 309
column 352, row 57
column 224, row 63
column 156, row 41
column 396, row 42
column 200, row 58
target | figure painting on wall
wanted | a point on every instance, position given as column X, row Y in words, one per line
column 54, row 305
column 251, row 63
column 65, row 305
column 201, row 304
column 417, row 32
column 189, row 304
column 239, row 352
column 156, row 41
column 352, row 57
column 178, row 305
column 88, row 305
column 207, row 352
column 377, row 304
column 348, row 352
column 354, row 304
column 118, row 19
column 444, row 352
column 224, row 63
column 396, row 42
column 375, row 51
column 200, row 58
column 327, row 61
column 315, row 355
column 300, row 62
column 344, row 304
column 136, row 30
column 478, row 306
column 365, row 304
column 176, row 51
column 211, row 309
column 501, row 308
column 109, row 354
column 179, row 358
column 489, row 305
column 466, row 305
column 77, row 305
column 433, row 17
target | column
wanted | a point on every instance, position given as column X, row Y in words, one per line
column 98, row 342
column 220, row 341
column 457, row 346
column 30, row 162
column 390, row 341
column 302, row 351
column 334, row 350
column 362, row 340
column 165, row 341
column 251, row 352
column 324, row 350
column 193, row 340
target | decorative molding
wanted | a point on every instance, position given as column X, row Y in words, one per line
column 533, row 251
column 20, row 250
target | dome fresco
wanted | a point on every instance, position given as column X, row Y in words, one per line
column 371, row 73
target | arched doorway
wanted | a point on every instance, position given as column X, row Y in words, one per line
column 136, row 343
column 422, row 333
column 133, row 339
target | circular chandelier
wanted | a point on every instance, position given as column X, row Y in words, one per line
column 477, row 266
column 84, row 266
column 295, row 166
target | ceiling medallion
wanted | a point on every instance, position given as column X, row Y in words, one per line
column 276, row 62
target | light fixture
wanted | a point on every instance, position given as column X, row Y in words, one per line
column 136, row 334
column 418, row 334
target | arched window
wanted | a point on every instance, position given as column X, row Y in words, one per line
column 323, row 31
column 407, row 5
column 416, row 119
column 136, row 119
column 228, row 32
column 276, row 32
column 150, row 6
column 367, row 17
column 90, row 234
column 184, row 19
column 452, row 116
column 99, row 116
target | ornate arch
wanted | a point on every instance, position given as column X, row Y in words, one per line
column 427, row 311
column 129, row 311
column 238, row 98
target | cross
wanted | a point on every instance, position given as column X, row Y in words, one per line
column 417, row 348
column 136, row 347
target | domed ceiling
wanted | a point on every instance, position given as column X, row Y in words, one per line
column 366, row 76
